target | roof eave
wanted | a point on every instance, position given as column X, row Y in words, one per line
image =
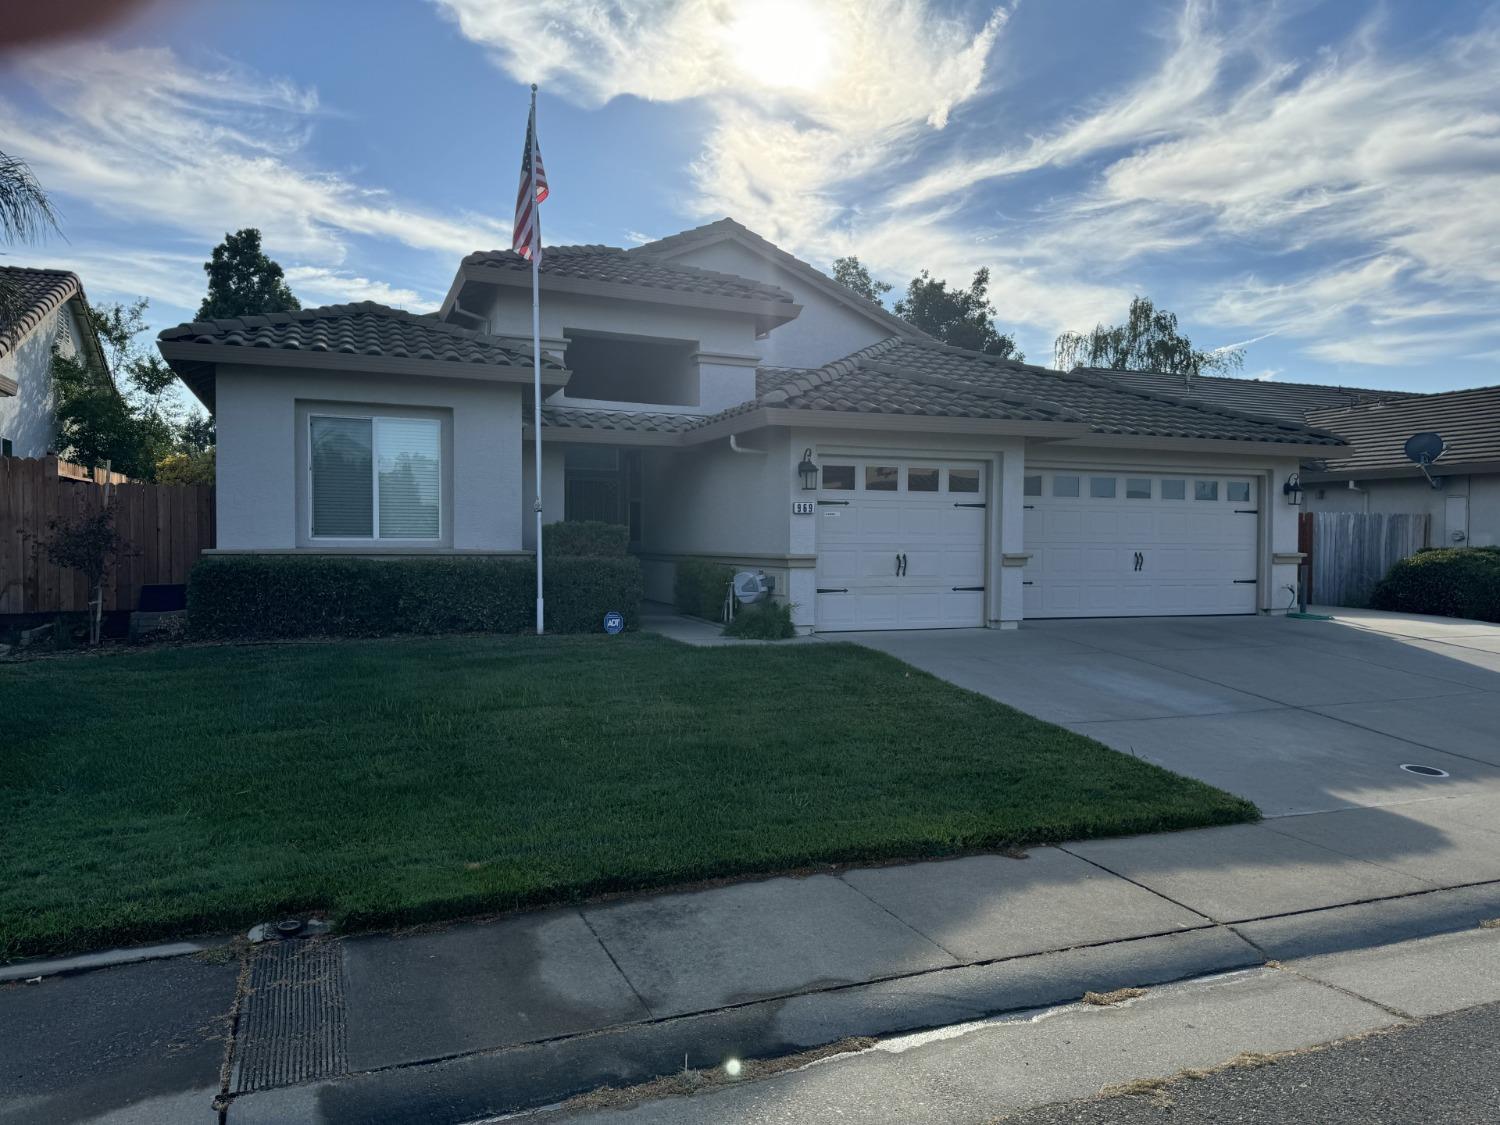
column 186, row 356
column 1400, row 472
column 1262, row 448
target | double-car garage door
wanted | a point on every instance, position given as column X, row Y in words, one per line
column 901, row 543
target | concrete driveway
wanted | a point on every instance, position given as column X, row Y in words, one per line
column 1301, row 717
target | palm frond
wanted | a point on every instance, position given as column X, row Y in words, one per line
column 25, row 211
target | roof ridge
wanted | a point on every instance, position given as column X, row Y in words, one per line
column 1187, row 404
column 1263, row 382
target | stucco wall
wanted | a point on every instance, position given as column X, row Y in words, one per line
column 26, row 417
column 258, row 441
column 826, row 330
column 1417, row 496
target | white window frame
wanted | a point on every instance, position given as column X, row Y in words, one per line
column 373, row 418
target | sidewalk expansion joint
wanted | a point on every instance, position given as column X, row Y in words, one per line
column 1149, row 890
column 957, row 960
column 610, row 953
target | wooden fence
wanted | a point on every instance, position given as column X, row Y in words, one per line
column 1349, row 552
column 164, row 527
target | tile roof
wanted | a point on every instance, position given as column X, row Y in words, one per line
column 730, row 228
column 901, row 376
column 1468, row 422
column 1288, row 402
column 38, row 294
column 628, row 421
column 361, row 329
column 616, row 266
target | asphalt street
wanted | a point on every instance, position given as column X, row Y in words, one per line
column 1444, row 1070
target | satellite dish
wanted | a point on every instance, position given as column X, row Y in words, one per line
column 750, row 586
column 1424, row 449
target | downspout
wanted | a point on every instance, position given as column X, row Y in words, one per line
column 736, row 447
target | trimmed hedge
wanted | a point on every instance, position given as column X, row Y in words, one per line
column 591, row 539
column 700, row 587
column 1446, row 581
column 258, row 597
column 763, row 621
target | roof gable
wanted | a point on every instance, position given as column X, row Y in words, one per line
column 727, row 229
column 38, row 294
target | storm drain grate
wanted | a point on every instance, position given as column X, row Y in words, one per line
column 292, row 1026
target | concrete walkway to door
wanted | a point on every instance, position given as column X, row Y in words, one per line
column 1311, row 720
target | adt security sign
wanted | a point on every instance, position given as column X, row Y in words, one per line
column 614, row 622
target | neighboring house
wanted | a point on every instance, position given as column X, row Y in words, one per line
column 1375, row 475
column 49, row 310
column 725, row 400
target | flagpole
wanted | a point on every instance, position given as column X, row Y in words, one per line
column 536, row 360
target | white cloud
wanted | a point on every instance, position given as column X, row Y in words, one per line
column 144, row 137
column 316, row 285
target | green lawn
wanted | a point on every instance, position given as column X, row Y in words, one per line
column 192, row 789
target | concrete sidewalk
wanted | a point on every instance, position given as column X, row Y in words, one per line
column 485, row 1018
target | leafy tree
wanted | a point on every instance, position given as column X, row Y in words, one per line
column 88, row 545
column 25, row 214
column 963, row 318
column 853, row 273
column 186, row 467
column 1149, row 340
column 242, row 281
column 134, row 425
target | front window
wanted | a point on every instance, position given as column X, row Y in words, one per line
column 376, row 478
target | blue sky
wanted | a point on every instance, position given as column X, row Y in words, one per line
column 1320, row 179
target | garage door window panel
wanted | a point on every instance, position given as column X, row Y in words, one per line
column 1102, row 488
column 922, row 480
column 882, row 478
column 1205, row 490
column 1237, row 492
column 963, row 480
column 1138, row 488
column 1174, row 490
column 838, row 478
column 1065, row 487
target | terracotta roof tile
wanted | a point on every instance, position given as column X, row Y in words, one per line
column 614, row 265
column 39, row 293
column 1288, row 402
column 1467, row 421
column 365, row 328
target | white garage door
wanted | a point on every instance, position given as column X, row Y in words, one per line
column 1109, row 543
column 900, row 544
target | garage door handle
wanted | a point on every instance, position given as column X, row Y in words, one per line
column 980, row 504
column 833, row 589
column 1244, row 581
column 958, row 588
column 833, row 503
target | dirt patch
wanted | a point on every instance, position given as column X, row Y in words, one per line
column 1118, row 996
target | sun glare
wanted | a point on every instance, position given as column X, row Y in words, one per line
column 781, row 43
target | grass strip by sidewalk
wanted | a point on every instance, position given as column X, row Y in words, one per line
column 165, row 792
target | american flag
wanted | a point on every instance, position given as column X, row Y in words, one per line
column 526, row 235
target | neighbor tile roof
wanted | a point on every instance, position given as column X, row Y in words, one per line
column 616, row 266
column 1289, row 402
column 361, row 329
column 1468, row 422
column 39, row 293
column 901, row 376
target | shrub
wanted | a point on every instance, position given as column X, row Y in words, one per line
column 592, row 539
column 1447, row 581
column 763, row 621
column 270, row 596
column 700, row 586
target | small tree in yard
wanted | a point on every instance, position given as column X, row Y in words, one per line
column 242, row 281
column 88, row 546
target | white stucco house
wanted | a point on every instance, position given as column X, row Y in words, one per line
column 725, row 400
column 48, row 310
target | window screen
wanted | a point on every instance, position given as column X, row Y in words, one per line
column 343, row 483
column 408, row 454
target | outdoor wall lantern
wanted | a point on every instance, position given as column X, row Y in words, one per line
column 808, row 471
column 1292, row 490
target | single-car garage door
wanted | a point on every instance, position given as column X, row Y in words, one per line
column 1112, row 543
column 900, row 544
